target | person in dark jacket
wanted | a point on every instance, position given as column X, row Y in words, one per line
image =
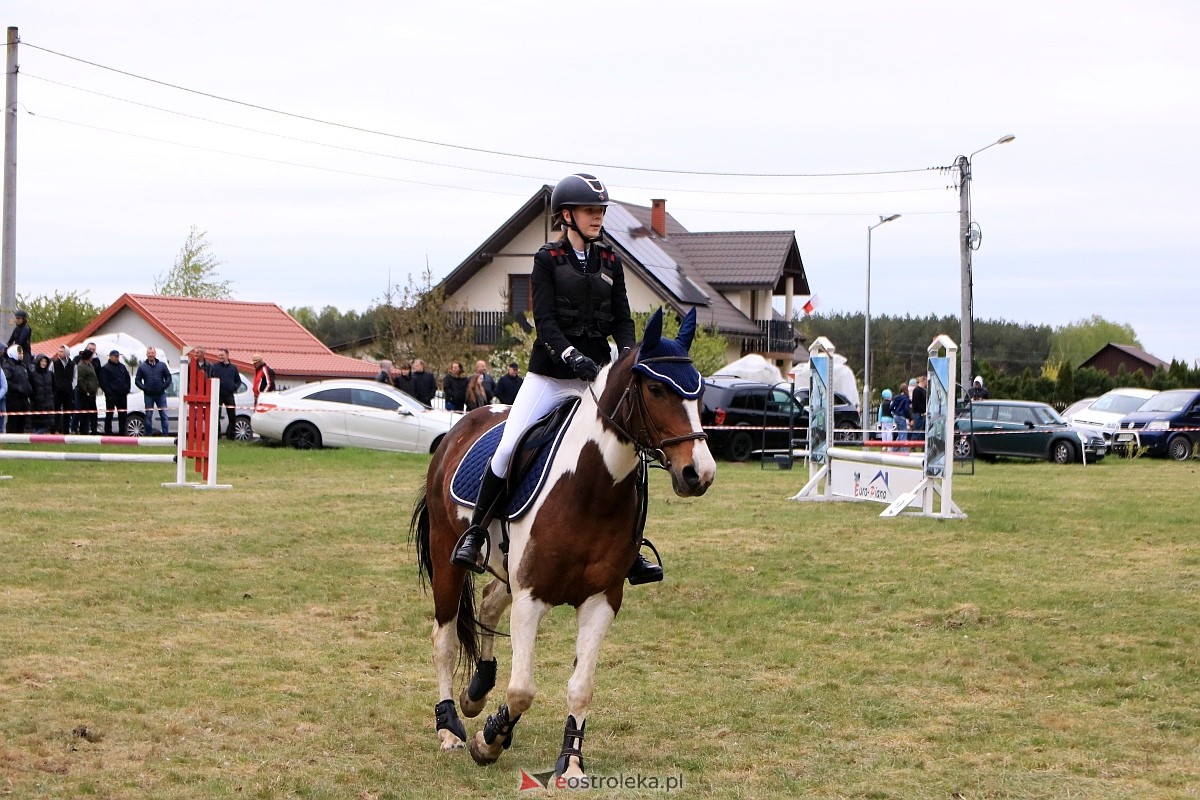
column 579, row 302
column 3, row 396
column 424, row 384
column 509, row 384
column 19, row 390
column 22, row 336
column 154, row 379
column 404, row 380
column 115, row 383
column 454, row 387
column 63, row 370
column 41, row 398
column 87, row 384
column 230, row 379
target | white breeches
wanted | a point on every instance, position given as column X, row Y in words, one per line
column 535, row 399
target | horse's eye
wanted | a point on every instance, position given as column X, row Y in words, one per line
column 656, row 389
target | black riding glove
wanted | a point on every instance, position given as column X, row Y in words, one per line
column 585, row 369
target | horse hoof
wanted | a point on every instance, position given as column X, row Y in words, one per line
column 449, row 743
column 468, row 708
column 482, row 752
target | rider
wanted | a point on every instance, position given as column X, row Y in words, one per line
column 579, row 301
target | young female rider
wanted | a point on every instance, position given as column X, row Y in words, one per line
column 579, row 301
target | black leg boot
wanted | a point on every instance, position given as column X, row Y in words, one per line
column 466, row 551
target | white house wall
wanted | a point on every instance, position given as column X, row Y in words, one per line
column 128, row 321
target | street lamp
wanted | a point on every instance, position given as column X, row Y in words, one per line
column 968, row 240
column 866, row 406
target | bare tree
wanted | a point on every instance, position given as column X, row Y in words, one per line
column 194, row 273
column 413, row 321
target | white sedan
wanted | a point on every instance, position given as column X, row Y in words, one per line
column 1104, row 415
column 351, row 413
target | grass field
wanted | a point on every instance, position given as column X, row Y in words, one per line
column 271, row 641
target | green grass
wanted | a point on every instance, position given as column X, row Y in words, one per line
column 272, row 640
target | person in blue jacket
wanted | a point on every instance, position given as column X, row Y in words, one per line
column 153, row 378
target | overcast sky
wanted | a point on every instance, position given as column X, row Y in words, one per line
column 1091, row 210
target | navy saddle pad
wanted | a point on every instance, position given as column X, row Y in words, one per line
column 464, row 487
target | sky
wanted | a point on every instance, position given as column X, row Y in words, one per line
column 331, row 151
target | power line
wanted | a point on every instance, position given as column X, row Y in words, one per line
column 467, row 148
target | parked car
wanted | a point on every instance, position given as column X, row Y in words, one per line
column 1106, row 412
column 846, row 419
column 135, row 421
column 989, row 428
column 1070, row 411
column 743, row 418
column 1166, row 425
column 351, row 412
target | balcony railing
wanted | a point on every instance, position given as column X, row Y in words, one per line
column 777, row 336
column 487, row 327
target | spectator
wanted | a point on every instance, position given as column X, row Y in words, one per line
column 404, row 381
column 86, row 384
column 489, row 383
column 41, row 398
column 508, row 385
column 901, row 413
column 200, row 359
column 264, row 377
column 887, row 424
column 424, row 384
column 385, row 372
column 19, row 389
column 21, row 336
column 978, row 391
column 114, row 381
column 230, row 379
column 3, row 395
column 454, row 387
column 920, row 399
column 154, row 379
column 91, row 348
column 63, row 370
column 476, row 396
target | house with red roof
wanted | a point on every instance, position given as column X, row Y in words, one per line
column 731, row 278
column 173, row 325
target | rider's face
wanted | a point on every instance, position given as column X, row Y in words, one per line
column 589, row 219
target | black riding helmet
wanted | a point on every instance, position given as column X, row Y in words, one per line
column 579, row 189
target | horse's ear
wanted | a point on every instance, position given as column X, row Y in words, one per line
column 653, row 334
column 687, row 330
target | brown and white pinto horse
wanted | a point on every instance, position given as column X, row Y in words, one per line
column 573, row 547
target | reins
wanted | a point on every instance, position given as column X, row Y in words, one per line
column 647, row 450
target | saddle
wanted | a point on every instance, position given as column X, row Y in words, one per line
column 531, row 462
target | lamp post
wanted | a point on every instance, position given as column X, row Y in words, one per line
column 968, row 241
column 866, row 406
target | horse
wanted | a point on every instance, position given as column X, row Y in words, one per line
column 573, row 546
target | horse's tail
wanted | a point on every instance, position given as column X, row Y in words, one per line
column 467, row 625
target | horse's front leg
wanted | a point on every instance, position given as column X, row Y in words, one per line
column 495, row 602
column 496, row 736
column 593, row 619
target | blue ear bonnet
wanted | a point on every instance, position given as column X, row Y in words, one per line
column 667, row 360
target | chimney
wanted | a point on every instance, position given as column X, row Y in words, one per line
column 658, row 218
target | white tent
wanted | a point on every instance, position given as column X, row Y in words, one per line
column 125, row 344
column 844, row 382
column 751, row 368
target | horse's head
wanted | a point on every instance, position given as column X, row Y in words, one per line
column 664, row 416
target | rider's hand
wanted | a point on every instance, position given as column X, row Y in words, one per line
column 584, row 368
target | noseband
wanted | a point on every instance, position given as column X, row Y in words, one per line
column 644, row 442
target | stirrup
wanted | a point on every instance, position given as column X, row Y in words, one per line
column 467, row 550
column 644, row 570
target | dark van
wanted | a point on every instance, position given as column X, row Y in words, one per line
column 1167, row 425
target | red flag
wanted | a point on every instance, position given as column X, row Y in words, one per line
column 811, row 305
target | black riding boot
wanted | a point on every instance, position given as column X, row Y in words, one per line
column 466, row 552
column 644, row 570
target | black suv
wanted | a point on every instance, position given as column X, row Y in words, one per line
column 743, row 417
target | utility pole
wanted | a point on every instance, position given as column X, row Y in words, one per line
column 8, row 256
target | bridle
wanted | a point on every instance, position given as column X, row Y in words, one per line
column 644, row 443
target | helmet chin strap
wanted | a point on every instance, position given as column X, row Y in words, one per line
column 586, row 239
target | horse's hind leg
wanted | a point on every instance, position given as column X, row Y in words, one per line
column 495, row 602
column 593, row 619
column 496, row 736
column 449, row 586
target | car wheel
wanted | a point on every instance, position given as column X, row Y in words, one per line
column 135, row 424
column 845, row 432
column 243, row 431
column 740, row 446
column 1179, row 448
column 964, row 447
column 1063, row 452
column 302, row 436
